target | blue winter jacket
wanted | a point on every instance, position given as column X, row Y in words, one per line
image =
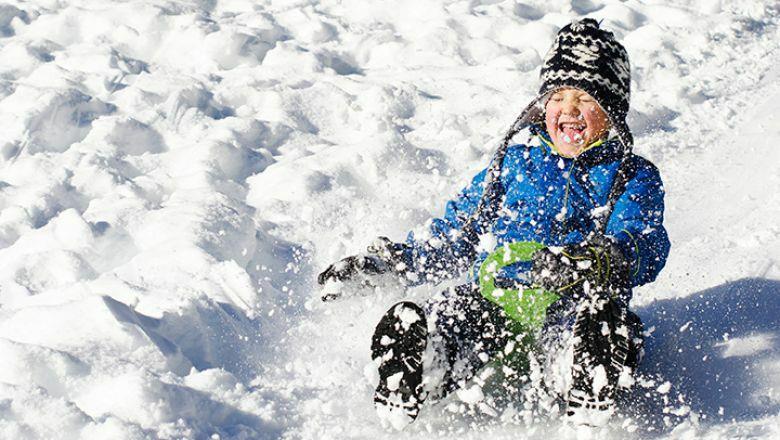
column 550, row 199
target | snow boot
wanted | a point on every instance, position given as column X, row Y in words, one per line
column 603, row 351
column 397, row 348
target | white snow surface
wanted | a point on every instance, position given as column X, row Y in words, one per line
column 174, row 173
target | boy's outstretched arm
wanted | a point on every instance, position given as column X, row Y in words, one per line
column 636, row 224
column 443, row 253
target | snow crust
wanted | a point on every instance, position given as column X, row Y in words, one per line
column 173, row 174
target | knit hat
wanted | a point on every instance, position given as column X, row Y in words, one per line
column 588, row 58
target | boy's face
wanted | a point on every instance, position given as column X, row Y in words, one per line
column 574, row 120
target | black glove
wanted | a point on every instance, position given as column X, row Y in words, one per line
column 347, row 268
column 383, row 257
column 595, row 265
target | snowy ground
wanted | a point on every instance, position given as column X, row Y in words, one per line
column 174, row 173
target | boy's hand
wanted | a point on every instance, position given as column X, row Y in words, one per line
column 566, row 270
column 347, row 268
column 383, row 257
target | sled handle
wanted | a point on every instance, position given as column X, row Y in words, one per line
column 527, row 306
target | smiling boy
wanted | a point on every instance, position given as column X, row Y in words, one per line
column 592, row 209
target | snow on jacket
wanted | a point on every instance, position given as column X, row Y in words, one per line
column 550, row 199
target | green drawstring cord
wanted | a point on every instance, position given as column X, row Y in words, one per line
column 552, row 146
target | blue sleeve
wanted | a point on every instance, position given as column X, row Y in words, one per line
column 637, row 224
column 444, row 252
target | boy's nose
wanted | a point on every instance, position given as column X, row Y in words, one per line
column 570, row 108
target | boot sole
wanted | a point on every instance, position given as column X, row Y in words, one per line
column 399, row 342
column 593, row 349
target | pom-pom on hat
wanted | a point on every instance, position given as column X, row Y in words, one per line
column 591, row 59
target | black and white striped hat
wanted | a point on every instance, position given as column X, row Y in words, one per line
column 588, row 58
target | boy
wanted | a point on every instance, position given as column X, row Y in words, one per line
column 595, row 208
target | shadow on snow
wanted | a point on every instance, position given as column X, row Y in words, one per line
column 719, row 348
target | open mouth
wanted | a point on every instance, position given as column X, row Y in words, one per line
column 573, row 132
